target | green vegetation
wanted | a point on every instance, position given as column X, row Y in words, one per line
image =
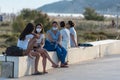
column 5, row 24
column 95, row 30
column 33, row 16
column 90, row 14
column 5, row 33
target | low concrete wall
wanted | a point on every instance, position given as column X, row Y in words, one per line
column 0, row 70
column 112, row 48
column 2, row 58
column 7, row 70
column 25, row 65
column 107, row 47
column 76, row 55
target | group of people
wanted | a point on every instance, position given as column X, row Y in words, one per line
column 34, row 43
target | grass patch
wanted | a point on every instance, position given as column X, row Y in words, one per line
column 2, row 50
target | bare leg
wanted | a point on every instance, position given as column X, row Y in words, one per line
column 53, row 64
column 47, row 56
column 37, row 55
column 44, row 61
column 31, row 53
column 30, row 46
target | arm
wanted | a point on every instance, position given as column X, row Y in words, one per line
column 73, row 39
column 60, row 40
column 35, row 35
column 42, row 43
column 49, row 37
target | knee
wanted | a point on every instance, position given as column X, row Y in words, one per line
column 43, row 55
column 37, row 55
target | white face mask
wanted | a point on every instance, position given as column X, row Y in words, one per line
column 38, row 30
column 54, row 28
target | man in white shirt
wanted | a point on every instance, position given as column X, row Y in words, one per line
column 65, row 34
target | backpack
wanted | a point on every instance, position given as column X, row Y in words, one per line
column 85, row 45
column 13, row 51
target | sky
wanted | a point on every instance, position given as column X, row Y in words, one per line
column 9, row 6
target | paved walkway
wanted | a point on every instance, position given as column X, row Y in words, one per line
column 107, row 68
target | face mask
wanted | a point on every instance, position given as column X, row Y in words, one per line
column 38, row 30
column 54, row 28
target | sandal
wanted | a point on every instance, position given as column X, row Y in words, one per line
column 64, row 66
column 66, row 63
column 38, row 73
column 55, row 66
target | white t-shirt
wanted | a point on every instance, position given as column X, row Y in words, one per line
column 24, row 43
column 40, row 39
column 73, row 32
column 65, row 33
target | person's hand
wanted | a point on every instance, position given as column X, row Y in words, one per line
column 59, row 44
column 36, row 35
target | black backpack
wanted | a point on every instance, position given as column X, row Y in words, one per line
column 85, row 45
column 13, row 51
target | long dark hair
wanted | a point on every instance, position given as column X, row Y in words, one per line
column 42, row 31
column 28, row 30
column 71, row 23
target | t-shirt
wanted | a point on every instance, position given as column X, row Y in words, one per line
column 40, row 39
column 24, row 43
column 55, row 37
column 73, row 32
column 65, row 33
